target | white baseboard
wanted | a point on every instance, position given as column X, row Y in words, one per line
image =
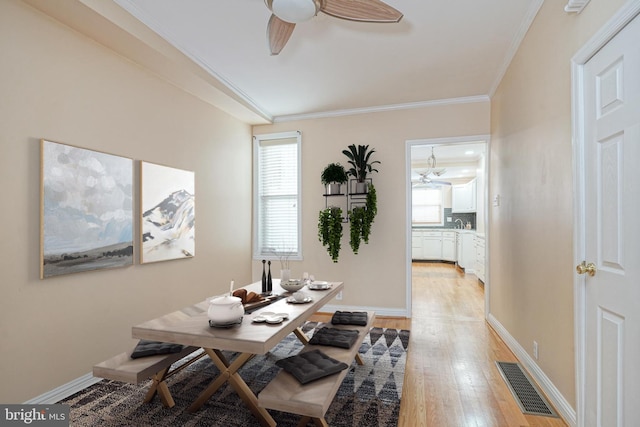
column 566, row 411
column 64, row 391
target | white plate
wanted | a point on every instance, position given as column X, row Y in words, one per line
column 273, row 320
column 319, row 286
column 292, row 300
column 270, row 317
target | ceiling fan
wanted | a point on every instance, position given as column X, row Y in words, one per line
column 287, row 13
column 425, row 177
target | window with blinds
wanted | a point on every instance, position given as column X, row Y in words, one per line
column 427, row 206
column 277, row 196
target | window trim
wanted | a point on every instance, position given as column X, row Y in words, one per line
column 257, row 139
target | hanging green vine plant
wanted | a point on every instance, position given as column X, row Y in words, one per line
column 357, row 217
column 330, row 230
column 370, row 213
column 361, row 218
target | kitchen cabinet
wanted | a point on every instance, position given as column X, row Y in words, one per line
column 480, row 257
column 463, row 197
column 449, row 245
column 466, row 250
column 433, row 245
column 416, row 244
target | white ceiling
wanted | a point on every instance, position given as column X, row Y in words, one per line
column 458, row 160
column 441, row 51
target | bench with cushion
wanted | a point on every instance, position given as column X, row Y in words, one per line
column 312, row 400
column 137, row 370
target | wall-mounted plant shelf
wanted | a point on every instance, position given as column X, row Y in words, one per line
column 349, row 200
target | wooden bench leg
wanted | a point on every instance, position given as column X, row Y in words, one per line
column 359, row 360
column 301, row 336
column 160, row 387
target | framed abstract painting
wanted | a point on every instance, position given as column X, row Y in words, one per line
column 86, row 210
column 168, row 214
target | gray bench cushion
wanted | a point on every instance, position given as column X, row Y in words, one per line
column 150, row 348
column 349, row 318
column 343, row 338
column 311, row 365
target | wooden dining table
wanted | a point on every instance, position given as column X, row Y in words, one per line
column 190, row 326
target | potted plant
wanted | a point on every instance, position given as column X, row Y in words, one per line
column 360, row 164
column 333, row 176
column 330, row 230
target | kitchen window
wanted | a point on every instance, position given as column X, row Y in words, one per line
column 276, row 187
column 427, row 206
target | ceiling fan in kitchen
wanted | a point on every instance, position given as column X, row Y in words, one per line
column 432, row 172
column 285, row 14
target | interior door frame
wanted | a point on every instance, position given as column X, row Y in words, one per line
column 446, row 141
column 625, row 15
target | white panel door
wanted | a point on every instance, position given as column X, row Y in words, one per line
column 612, row 232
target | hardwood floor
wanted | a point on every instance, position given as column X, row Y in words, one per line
column 451, row 379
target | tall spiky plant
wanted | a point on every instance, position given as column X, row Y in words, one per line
column 359, row 161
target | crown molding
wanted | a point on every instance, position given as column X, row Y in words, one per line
column 381, row 108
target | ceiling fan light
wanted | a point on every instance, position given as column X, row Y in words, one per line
column 294, row 11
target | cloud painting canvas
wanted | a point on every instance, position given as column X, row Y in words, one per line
column 168, row 213
column 86, row 210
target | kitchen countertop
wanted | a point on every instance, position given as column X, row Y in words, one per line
column 459, row 230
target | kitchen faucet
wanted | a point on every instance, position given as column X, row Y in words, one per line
column 461, row 223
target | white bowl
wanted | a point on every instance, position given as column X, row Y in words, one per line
column 292, row 285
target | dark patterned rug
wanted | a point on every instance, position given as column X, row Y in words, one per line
column 369, row 395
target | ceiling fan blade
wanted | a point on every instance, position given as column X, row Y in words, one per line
column 278, row 33
column 361, row 10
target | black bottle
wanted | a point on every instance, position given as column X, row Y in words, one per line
column 264, row 278
column 269, row 283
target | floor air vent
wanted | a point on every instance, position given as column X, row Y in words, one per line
column 524, row 390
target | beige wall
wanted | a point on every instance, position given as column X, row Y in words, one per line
column 531, row 233
column 59, row 85
column 376, row 277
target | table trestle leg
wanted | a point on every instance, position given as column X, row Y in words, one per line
column 229, row 372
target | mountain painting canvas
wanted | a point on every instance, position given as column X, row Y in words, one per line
column 86, row 210
column 168, row 214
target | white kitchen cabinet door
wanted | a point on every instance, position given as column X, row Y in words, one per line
column 463, row 197
column 449, row 245
column 432, row 245
column 416, row 245
column 467, row 253
column 480, row 257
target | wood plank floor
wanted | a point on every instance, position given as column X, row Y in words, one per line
column 451, row 379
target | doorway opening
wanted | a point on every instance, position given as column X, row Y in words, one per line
column 447, row 206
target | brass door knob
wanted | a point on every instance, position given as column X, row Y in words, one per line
column 589, row 268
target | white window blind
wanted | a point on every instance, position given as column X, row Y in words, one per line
column 277, row 196
column 427, row 208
